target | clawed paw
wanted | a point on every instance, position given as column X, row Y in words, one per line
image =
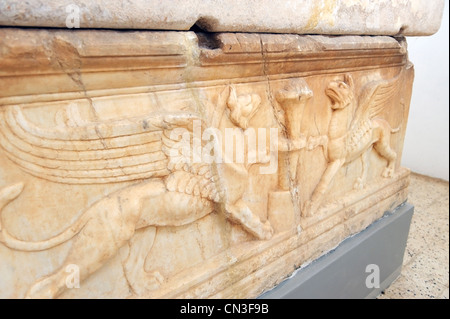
column 267, row 231
column 388, row 172
column 146, row 282
column 359, row 184
column 155, row 280
column 308, row 208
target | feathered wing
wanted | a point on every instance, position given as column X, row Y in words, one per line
column 374, row 98
column 95, row 153
column 76, row 151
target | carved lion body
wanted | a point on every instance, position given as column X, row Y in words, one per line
column 177, row 195
column 354, row 129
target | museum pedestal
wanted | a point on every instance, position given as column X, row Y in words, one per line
column 362, row 266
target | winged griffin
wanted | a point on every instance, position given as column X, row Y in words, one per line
column 134, row 149
column 355, row 127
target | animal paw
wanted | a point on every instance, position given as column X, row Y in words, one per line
column 146, row 282
column 388, row 172
column 267, row 231
column 241, row 214
column 359, row 184
column 308, row 208
column 154, row 280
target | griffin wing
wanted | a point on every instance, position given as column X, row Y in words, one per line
column 94, row 153
column 374, row 98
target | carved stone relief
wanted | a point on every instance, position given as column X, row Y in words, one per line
column 206, row 167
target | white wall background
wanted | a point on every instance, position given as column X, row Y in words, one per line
column 427, row 136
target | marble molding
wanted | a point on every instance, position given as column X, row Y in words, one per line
column 344, row 17
column 95, row 188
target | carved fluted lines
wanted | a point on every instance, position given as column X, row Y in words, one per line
column 93, row 158
column 81, row 167
column 104, row 176
column 155, row 168
column 104, row 180
column 45, row 152
column 143, row 166
column 76, row 143
column 146, row 169
column 89, row 132
column 74, row 165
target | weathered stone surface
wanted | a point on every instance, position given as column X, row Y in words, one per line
column 105, row 157
column 380, row 17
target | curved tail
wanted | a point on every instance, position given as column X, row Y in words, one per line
column 10, row 193
column 7, row 195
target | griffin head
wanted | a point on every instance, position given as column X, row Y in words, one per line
column 242, row 108
column 341, row 93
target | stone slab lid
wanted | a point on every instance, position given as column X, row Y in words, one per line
column 345, row 17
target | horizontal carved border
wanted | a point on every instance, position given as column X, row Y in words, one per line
column 59, row 65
